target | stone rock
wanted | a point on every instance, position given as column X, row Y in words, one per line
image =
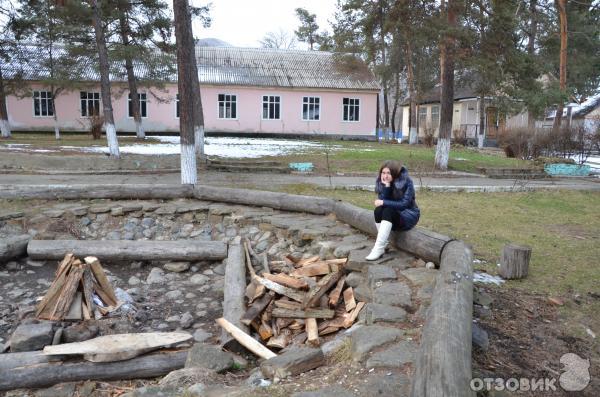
column 209, row 357
column 481, row 312
column 354, row 279
column 261, row 246
column 79, row 211
column 196, row 390
column 201, row 335
column 329, row 391
column 292, row 362
column 342, row 251
column 430, row 265
column 394, row 356
column 420, row 276
column 188, row 377
column 366, row 338
column 117, row 211
column 480, row 337
column 32, row 263
column 128, row 236
column 376, row 385
column 186, row 320
column 133, row 280
column 177, row 267
column 199, row 279
column 392, row 293
column 113, row 236
column 32, row 336
column 156, row 276
column 60, row 390
column 85, row 221
column 380, row 273
column 376, row 312
column 482, row 298
column 219, row 269
column 12, row 265
column 99, row 209
column 175, row 294
column 357, row 261
column 363, row 293
column 80, row 332
column 54, row 213
column 154, row 391
column 339, row 231
column 131, row 207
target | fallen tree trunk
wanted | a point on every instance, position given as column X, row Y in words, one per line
column 423, row 243
column 14, row 247
column 51, row 192
column 235, row 286
column 443, row 364
column 32, row 371
column 119, row 250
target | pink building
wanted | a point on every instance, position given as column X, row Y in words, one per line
column 244, row 91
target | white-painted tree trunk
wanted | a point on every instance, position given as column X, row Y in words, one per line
column 480, row 141
column 139, row 130
column 56, row 129
column 189, row 172
column 5, row 128
column 111, row 137
column 199, row 141
column 412, row 136
column 442, row 153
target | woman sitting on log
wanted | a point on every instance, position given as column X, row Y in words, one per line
column 395, row 207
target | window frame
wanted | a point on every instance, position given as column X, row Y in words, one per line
column 225, row 107
column 308, row 104
column 47, row 99
column 87, row 100
column 435, row 124
column 351, row 105
column 139, row 98
column 262, row 105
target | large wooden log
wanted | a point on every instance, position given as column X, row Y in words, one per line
column 32, row 370
column 108, row 191
column 282, row 201
column 423, row 243
column 443, row 365
column 514, row 262
column 235, row 286
column 120, row 250
column 13, row 247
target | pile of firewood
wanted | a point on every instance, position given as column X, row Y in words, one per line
column 297, row 301
column 79, row 291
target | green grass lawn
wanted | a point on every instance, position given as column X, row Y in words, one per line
column 562, row 227
column 366, row 157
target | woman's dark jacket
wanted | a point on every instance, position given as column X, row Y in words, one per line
column 401, row 197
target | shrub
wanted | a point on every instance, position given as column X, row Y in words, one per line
column 96, row 123
column 428, row 138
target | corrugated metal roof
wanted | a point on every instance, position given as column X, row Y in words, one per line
column 218, row 66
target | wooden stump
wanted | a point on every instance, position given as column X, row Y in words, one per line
column 514, row 263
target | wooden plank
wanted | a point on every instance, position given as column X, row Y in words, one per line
column 307, row 261
column 87, row 314
column 64, row 264
column 349, row 299
column 293, row 362
column 312, row 332
column 265, row 262
column 306, row 313
column 334, row 295
column 286, row 280
column 118, row 347
column 444, row 369
column 98, row 272
column 256, row 309
column 75, row 310
column 350, row 320
column 87, row 283
column 246, row 340
column 315, row 293
column 286, row 304
column 314, row 269
column 280, row 289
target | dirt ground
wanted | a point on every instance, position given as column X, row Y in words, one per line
column 527, row 340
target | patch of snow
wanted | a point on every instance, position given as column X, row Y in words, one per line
column 486, row 278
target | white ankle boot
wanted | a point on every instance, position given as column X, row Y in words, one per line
column 383, row 233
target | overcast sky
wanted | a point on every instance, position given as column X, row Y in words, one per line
column 242, row 23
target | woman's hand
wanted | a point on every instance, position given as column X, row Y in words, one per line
column 378, row 203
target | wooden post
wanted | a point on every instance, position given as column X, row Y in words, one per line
column 514, row 263
column 235, row 285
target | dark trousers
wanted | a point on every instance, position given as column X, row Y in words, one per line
column 388, row 214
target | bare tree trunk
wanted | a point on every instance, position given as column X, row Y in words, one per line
column 412, row 118
column 442, row 151
column 531, row 47
column 131, row 80
column 185, row 75
column 561, row 7
column 109, row 122
column 396, row 100
column 198, row 110
column 4, row 123
column 481, row 132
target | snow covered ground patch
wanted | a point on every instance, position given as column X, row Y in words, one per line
column 486, row 278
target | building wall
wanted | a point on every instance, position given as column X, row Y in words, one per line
column 161, row 107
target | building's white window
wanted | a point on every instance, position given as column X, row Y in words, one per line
column 42, row 104
column 351, row 109
column 143, row 105
column 177, row 105
column 435, row 117
column 90, row 103
column 271, row 107
column 227, row 106
column 311, row 108
column 422, row 117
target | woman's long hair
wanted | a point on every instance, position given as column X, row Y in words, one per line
column 394, row 167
